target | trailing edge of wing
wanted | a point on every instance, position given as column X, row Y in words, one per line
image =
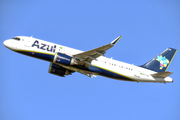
column 84, row 72
column 162, row 74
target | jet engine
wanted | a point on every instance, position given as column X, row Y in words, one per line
column 64, row 59
column 58, row 70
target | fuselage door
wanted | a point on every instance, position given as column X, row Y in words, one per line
column 137, row 73
column 26, row 42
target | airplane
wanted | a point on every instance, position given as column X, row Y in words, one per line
column 65, row 60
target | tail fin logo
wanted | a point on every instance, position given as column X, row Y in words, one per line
column 163, row 61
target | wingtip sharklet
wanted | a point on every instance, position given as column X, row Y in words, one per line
column 116, row 40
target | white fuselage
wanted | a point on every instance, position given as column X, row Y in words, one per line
column 30, row 46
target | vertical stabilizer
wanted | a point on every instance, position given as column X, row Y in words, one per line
column 161, row 62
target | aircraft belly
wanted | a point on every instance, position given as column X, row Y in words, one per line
column 117, row 74
column 114, row 74
column 44, row 56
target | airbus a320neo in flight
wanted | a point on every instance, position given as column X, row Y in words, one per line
column 65, row 61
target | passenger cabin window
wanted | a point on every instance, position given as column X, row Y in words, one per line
column 16, row 38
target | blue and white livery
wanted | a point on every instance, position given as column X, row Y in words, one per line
column 65, row 61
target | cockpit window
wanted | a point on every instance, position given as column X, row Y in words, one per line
column 16, row 38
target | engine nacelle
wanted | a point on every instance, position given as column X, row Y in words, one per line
column 58, row 70
column 64, row 59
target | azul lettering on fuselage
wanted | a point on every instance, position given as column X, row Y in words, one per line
column 44, row 46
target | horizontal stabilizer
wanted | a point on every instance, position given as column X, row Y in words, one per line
column 162, row 74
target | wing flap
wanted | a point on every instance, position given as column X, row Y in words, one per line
column 85, row 72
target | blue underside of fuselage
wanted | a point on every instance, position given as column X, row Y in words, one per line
column 42, row 56
column 101, row 71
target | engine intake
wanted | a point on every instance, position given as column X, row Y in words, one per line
column 58, row 70
column 64, row 59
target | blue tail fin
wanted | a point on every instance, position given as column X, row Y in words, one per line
column 161, row 62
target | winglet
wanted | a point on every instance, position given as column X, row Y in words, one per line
column 116, row 40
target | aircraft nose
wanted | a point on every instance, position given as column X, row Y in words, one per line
column 5, row 43
column 8, row 44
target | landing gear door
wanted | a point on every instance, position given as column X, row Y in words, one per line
column 137, row 73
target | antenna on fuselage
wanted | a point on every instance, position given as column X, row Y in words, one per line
column 31, row 36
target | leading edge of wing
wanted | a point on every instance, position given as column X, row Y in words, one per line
column 100, row 51
column 86, row 57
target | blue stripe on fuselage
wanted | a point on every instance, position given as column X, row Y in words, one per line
column 110, row 74
column 102, row 72
column 42, row 56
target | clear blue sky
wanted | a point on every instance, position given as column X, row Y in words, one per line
column 29, row 92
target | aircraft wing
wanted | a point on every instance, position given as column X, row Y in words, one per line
column 84, row 72
column 85, row 58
